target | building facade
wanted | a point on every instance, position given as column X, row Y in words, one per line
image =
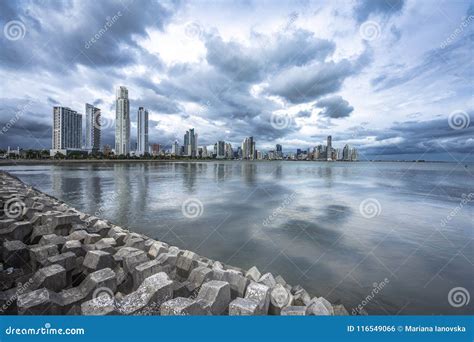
column 92, row 138
column 122, row 122
column 67, row 130
column 142, row 131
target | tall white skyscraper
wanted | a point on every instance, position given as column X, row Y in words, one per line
column 92, row 141
column 67, row 129
column 122, row 122
column 142, row 131
column 248, row 149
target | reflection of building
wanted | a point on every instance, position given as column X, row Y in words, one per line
column 67, row 130
column 122, row 122
column 142, row 131
column 92, row 142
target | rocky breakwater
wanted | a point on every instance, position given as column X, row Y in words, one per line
column 57, row 260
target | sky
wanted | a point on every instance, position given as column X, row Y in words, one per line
column 394, row 78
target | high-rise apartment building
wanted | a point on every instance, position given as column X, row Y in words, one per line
column 329, row 148
column 190, row 143
column 92, row 138
column 122, row 122
column 67, row 130
column 142, row 131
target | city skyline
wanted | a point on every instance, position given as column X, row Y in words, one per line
column 190, row 66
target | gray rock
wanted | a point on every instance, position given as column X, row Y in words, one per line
column 261, row 294
column 39, row 302
column 74, row 246
column 185, row 263
column 317, row 308
column 199, row 275
column 156, row 249
column 267, row 279
column 215, row 295
column 16, row 231
column 144, row 271
column 280, row 297
column 15, row 253
column 51, row 277
column 153, row 292
column 243, row 307
column 96, row 260
column 53, row 239
column 182, row 307
column 293, row 311
column 253, row 274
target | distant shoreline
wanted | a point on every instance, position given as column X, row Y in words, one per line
column 13, row 162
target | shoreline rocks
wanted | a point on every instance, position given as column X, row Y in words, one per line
column 55, row 260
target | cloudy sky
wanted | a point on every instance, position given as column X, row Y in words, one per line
column 391, row 77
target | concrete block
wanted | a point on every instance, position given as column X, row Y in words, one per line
column 253, row 274
column 261, row 294
column 215, row 295
column 280, row 297
column 15, row 254
column 182, row 307
column 267, row 279
column 96, row 260
column 243, row 307
column 293, row 311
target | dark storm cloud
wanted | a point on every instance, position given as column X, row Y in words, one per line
column 334, row 107
column 301, row 84
column 364, row 8
column 304, row 114
column 420, row 138
column 59, row 34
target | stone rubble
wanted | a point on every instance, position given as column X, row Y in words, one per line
column 55, row 260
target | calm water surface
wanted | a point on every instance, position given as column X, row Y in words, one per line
column 302, row 220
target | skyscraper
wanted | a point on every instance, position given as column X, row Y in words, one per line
column 67, row 129
column 122, row 122
column 190, row 143
column 329, row 149
column 220, row 150
column 92, row 141
column 248, row 149
column 279, row 151
column 142, row 131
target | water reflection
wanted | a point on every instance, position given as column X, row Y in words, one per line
column 318, row 239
